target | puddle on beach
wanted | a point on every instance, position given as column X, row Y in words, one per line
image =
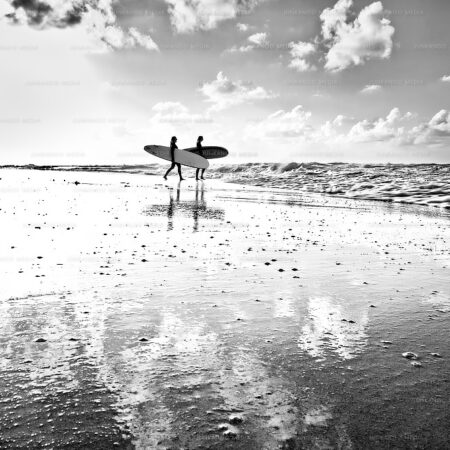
column 143, row 314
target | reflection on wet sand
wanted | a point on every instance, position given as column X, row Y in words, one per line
column 330, row 329
column 197, row 207
column 177, row 394
column 182, row 380
column 52, row 360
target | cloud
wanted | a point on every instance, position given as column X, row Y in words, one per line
column 381, row 129
column 370, row 88
column 284, row 124
column 346, row 39
column 446, row 79
column 223, row 93
column 257, row 40
column 332, row 18
column 96, row 16
column 176, row 113
column 187, row 16
column 369, row 36
column 143, row 40
column 396, row 128
column 46, row 13
column 433, row 132
column 300, row 53
column 440, row 123
column 243, row 27
column 330, row 129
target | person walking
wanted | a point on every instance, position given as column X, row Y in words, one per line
column 173, row 149
column 200, row 152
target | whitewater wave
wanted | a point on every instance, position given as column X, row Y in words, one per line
column 423, row 184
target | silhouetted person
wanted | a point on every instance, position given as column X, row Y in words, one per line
column 200, row 152
column 173, row 148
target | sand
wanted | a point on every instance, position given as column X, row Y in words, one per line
column 138, row 313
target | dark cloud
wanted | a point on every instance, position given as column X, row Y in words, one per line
column 42, row 14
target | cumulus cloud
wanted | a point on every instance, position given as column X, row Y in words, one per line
column 144, row 40
column 440, row 123
column 332, row 18
column 285, row 124
column 381, row 129
column 396, row 128
column 369, row 36
column 370, row 88
column 433, row 132
column 176, row 113
column 301, row 52
column 347, row 39
column 97, row 16
column 257, row 40
column 187, row 16
column 446, row 79
column 223, row 92
column 331, row 129
column 242, row 27
column 46, row 13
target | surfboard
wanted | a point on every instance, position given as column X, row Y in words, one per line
column 181, row 156
column 209, row 151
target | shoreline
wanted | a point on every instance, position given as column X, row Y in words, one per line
column 440, row 202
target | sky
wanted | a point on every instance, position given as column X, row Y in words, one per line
column 92, row 82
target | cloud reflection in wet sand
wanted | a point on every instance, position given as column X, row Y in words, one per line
column 52, row 389
column 169, row 381
column 329, row 330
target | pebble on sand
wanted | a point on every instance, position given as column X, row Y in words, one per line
column 143, row 339
column 40, row 340
column 416, row 364
column 410, row 355
column 230, row 433
column 235, row 419
column 436, row 355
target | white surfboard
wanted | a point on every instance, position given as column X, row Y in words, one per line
column 185, row 158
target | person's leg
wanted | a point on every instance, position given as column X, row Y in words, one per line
column 196, row 174
column 168, row 170
column 203, row 173
column 179, row 172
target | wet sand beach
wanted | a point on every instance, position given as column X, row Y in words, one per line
column 139, row 313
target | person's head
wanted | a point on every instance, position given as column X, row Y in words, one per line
column 200, row 139
column 174, row 139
